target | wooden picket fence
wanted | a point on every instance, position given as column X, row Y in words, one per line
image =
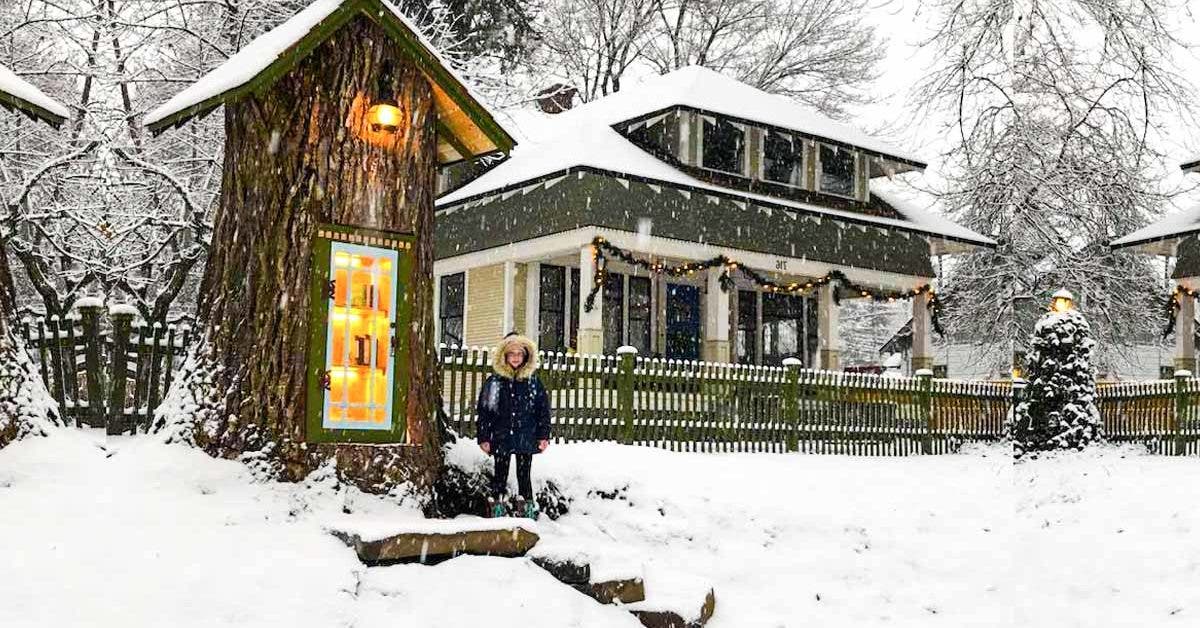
column 1162, row 415
column 106, row 370
column 699, row 406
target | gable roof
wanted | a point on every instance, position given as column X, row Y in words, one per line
column 465, row 124
column 17, row 93
column 1161, row 237
column 584, row 139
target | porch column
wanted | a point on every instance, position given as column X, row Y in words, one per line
column 922, row 347
column 828, row 338
column 591, row 324
column 1185, row 335
column 716, row 319
column 509, row 313
column 533, row 304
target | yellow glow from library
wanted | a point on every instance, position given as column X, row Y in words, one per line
column 360, row 338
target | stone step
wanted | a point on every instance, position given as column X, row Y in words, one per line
column 676, row 618
column 432, row 540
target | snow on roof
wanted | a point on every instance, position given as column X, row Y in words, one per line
column 1172, row 226
column 584, row 138
column 23, row 90
column 266, row 49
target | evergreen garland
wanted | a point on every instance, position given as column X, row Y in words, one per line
column 1173, row 305
column 603, row 248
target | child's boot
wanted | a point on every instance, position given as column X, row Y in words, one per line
column 518, row 509
column 495, row 508
column 531, row 510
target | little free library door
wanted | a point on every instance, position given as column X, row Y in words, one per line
column 357, row 367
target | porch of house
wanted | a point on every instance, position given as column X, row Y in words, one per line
column 539, row 287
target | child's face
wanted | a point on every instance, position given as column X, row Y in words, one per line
column 515, row 358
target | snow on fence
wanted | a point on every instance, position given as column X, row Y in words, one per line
column 79, row 356
column 1163, row 415
column 702, row 406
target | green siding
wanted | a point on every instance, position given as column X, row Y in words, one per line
column 602, row 201
column 1188, row 264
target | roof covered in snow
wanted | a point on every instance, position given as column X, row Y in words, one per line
column 1160, row 238
column 19, row 94
column 275, row 52
column 584, row 139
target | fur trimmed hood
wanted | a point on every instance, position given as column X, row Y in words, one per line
column 531, row 358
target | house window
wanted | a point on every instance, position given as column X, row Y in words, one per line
column 639, row 314
column 783, row 157
column 789, row 328
column 837, row 170
column 451, row 304
column 747, row 327
column 573, row 318
column 653, row 134
column 552, row 320
column 724, row 146
column 614, row 312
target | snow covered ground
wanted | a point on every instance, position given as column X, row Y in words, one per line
column 137, row 533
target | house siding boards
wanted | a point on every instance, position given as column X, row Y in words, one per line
column 606, row 202
column 484, row 314
column 1188, row 263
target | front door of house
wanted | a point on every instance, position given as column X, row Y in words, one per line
column 683, row 322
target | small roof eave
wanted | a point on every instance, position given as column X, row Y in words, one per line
column 274, row 53
column 17, row 93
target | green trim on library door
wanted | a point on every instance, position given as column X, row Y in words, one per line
column 401, row 245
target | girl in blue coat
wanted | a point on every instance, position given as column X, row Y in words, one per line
column 513, row 419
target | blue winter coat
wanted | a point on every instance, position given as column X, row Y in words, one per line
column 513, row 414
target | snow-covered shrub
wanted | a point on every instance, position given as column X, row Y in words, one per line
column 26, row 408
column 1059, row 409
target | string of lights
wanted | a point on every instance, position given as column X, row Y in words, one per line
column 602, row 249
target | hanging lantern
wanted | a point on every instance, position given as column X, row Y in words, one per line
column 385, row 115
column 1062, row 301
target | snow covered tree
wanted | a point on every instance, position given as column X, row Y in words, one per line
column 1059, row 409
column 1053, row 112
column 820, row 52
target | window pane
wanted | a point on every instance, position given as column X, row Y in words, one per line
column 451, row 308
column 789, row 328
column 837, row 170
column 551, row 317
column 614, row 300
column 747, row 326
column 781, row 158
column 639, row 314
column 574, row 315
column 724, row 146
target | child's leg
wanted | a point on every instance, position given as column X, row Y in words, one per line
column 500, row 477
column 524, row 483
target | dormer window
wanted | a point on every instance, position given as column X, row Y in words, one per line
column 724, row 146
column 783, row 158
column 837, row 171
column 653, row 134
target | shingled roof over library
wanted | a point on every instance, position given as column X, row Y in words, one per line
column 466, row 128
column 584, row 139
column 17, row 93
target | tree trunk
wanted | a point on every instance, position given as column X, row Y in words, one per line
column 297, row 155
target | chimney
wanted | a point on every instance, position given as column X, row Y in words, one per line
column 556, row 99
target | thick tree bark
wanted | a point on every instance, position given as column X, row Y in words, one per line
column 298, row 155
column 26, row 408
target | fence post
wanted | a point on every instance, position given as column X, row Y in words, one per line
column 122, row 320
column 627, row 357
column 89, row 312
column 1181, row 407
column 791, row 402
column 925, row 383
